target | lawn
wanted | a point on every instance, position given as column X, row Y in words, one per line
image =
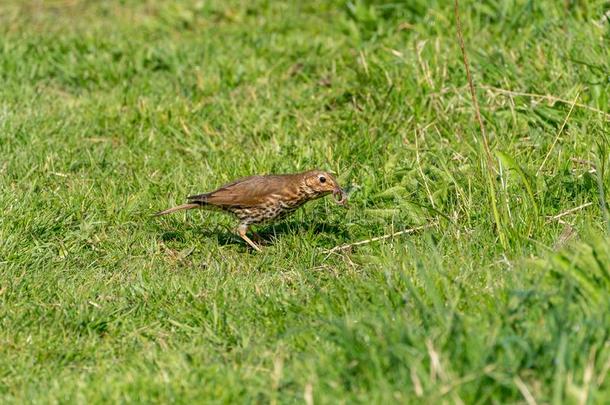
column 113, row 110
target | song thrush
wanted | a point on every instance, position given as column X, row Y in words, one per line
column 259, row 199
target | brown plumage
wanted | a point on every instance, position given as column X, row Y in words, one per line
column 259, row 199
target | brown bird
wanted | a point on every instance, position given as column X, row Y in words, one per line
column 259, row 199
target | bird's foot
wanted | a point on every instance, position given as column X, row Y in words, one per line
column 241, row 231
column 259, row 239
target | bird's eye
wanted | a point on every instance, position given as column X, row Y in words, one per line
column 322, row 179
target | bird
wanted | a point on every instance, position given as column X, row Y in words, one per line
column 265, row 198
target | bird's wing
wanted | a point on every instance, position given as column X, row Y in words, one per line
column 245, row 192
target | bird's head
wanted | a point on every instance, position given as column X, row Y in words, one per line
column 321, row 183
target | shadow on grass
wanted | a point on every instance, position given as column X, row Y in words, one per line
column 328, row 234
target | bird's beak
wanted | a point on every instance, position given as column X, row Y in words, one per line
column 340, row 196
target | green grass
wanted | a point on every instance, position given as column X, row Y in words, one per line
column 110, row 111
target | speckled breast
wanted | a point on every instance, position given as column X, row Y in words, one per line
column 275, row 208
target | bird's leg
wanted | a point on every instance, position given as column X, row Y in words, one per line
column 257, row 238
column 241, row 231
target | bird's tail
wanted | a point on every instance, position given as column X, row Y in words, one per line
column 189, row 206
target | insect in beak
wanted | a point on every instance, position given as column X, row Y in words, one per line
column 340, row 196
